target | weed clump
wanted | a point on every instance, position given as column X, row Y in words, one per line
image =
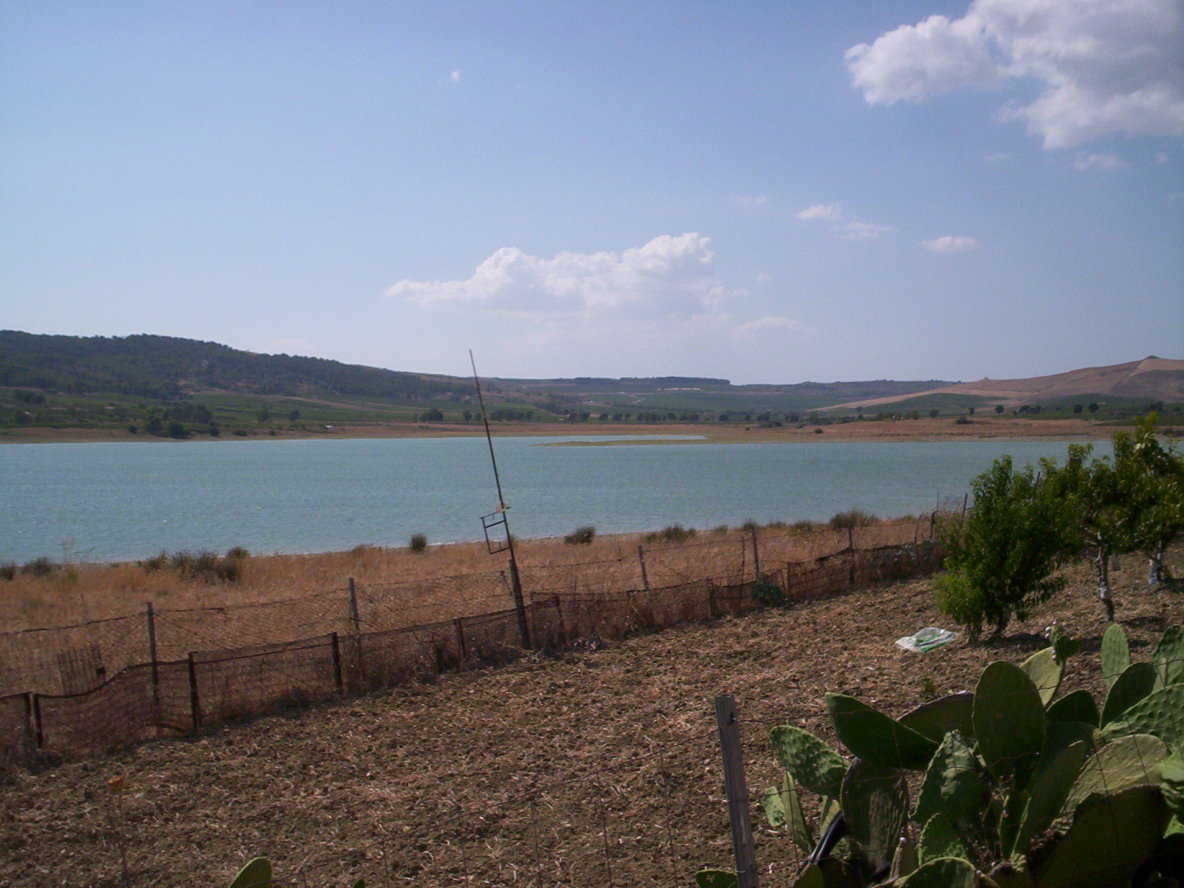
column 418, row 543
column 39, row 567
column 675, row 533
column 851, row 518
column 581, row 536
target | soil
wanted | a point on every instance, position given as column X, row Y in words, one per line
column 599, row 767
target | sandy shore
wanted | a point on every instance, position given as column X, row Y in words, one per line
column 924, row 429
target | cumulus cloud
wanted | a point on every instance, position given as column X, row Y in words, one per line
column 1085, row 162
column 767, row 328
column 950, row 243
column 1099, row 66
column 669, row 276
column 831, row 212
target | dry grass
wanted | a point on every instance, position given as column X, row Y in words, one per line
column 449, row 580
column 596, row 768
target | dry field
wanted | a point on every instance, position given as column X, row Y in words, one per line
column 597, row 768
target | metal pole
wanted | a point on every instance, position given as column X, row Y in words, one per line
column 515, row 580
column 152, row 655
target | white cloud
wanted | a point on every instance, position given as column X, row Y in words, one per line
column 862, row 230
column 832, row 212
column 752, row 200
column 769, row 327
column 669, row 276
column 1097, row 162
column 454, row 76
column 950, row 243
column 1100, row 66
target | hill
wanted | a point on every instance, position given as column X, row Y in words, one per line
column 173, row 387
column 1151, row 379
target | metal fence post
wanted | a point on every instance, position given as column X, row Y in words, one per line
column 645, row 580
column 737, row 791
column 152, row 654
column 194, row 700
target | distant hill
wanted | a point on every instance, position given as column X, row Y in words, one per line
column 1151, row 379
column 172, row 387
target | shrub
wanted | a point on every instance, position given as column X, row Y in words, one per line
column 851, row 518
column 7, row 570
column 157, row 562
column 581, row 536
column 767, row 593
column 674, row 533
column 418, row 543
column 1002, row 554
column 238, row 552
column 39, row 567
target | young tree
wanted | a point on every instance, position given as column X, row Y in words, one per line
column 1153, row 482
column 1002, row 554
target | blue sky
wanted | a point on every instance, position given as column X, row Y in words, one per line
column 766, row 192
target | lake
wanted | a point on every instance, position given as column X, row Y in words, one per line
column 126, row 501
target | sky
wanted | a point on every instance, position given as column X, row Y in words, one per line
column 759, row 191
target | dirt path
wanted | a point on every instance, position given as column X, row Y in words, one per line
column 598, row 768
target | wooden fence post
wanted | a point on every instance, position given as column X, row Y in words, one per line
column 737, row 791
column 152, row 654
column 460, row 638
column 645, row 580
column 337, row 677
column 194, row 700
column 38, row 726
column 354, row 619
column 756, row 557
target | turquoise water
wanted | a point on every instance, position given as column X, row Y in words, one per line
column 123, row 501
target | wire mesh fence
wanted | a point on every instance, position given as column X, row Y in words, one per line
column 93, row 687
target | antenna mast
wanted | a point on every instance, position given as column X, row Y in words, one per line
column 499, row 517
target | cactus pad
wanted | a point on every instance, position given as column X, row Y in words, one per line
column 1171, row 784
column 1045, row 671
column 944, row 872
column 953, row 785
column 1168, row 658
column 814, row 764
column 1116, row 654
column 1126, row 762
column 935, row 719
column 1160, row 713
column 255, row 874
column 873, row 803
column 1049, row 788
column 876, row 738
column 939, row 839
column 1008, row 718
column 1078, row 706
column 1136, row 682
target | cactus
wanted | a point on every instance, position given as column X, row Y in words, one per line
column 873, row 803
column 1045, row 671
column 1160, row 713
column 1168, row 657
column 254, row 874
column 937, row 718
column 783, row 807
column 1116, row 654
column 1079, row 706
column 713, row 878
column 940, row 839
column 814, row 764
column 1033, row 791
column 1008, row 718
column 952, row 785
column 944, row 872
column 1135, row 683
column 1096, row 854
column 876, row 738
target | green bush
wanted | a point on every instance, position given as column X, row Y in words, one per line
column 767, row 593
column 7, row 570
column 418, row 542
column 581, row 536
column 1001, row 556
column 39, row 567
column 674, row 533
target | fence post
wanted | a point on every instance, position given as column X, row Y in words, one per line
column 645, row 580
column 353, row 608
column 152, row 654
column 337, row 665
column 561, row 642
column 737, row 791
column 460, row 638
column 756, row 557
column 194, row 700
column 38, row 725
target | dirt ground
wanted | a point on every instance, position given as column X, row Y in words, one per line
column 599, row 767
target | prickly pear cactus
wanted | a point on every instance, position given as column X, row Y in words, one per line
column 1168, row 657
column 1045, row 671
column 813, row 764
column 1116, row 654
column 1008, row 718
column 1136, row 682
column 255, row 874
column 876, row 738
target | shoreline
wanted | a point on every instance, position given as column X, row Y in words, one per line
column 942, row 428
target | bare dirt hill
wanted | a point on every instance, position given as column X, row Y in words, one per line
column 1159, row 379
